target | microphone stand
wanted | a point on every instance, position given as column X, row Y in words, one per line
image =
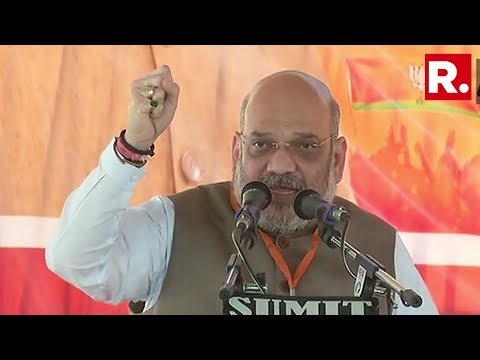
column 369, row 270
column 243, row 237
column 233, row 283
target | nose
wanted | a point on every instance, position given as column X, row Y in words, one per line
column 281, row 162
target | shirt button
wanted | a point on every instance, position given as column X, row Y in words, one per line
column 133, row 178
column 282, row 242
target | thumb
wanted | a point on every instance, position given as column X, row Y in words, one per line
column 172, row 91
column 163, row 70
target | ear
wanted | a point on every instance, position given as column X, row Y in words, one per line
column 236, row 148
column 340, row 153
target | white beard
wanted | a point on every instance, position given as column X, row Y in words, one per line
column 275, row 223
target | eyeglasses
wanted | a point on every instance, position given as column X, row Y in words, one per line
column 303, row 148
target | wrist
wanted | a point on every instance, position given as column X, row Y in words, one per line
column 140, row 147
column 127, row 153
column 125, row 176
column 126, row 159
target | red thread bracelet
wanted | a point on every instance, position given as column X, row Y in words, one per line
column 127, row 153
column 130, row 152
column 149, row 152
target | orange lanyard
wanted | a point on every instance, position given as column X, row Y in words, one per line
column 278, row 257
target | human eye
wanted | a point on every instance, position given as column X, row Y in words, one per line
column 306, row 145
column 259, row 146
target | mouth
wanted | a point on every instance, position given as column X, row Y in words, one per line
column 283, row 190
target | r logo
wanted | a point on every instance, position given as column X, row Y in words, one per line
column 448, row 76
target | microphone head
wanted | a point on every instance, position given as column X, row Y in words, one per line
column 304, row 203
column 256, row 193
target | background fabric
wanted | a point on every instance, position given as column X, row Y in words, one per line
column 412, row 162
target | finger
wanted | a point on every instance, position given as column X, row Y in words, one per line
column 143, row 107
column 157, row 101
column 152, row 81
column 140, row 103
column 172, row 91
column 149, row 92
column 137, row 97
column 157, row 112
column 156, row 75
column 163, row 71
column 159, row 95
column 144, row 91
column 140, row 95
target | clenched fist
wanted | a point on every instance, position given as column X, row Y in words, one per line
column 154, row 100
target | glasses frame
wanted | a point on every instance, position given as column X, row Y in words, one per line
column 287, row 144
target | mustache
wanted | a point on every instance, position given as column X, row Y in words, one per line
column 286, row 180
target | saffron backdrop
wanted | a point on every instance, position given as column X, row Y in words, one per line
column 414, row 163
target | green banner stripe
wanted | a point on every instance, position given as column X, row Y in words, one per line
column 412, row 105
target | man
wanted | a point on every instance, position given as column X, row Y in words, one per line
column 169, row 255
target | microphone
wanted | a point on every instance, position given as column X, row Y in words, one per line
column 256, row 196
column 308, row 204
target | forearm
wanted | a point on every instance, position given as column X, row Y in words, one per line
column 89, row 229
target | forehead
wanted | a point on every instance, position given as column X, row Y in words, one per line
column 287, row 104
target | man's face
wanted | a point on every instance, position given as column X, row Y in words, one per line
column 287, row 143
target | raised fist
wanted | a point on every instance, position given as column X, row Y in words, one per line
column 153, row 103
